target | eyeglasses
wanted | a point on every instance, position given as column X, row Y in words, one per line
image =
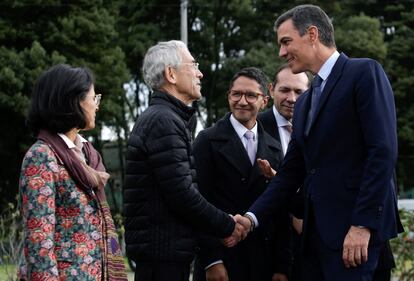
column 194, row 64
column 251, row 97
column 97, row 99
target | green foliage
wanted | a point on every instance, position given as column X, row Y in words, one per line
column 361, row 36
column 11, row 241
column 226, row 36
column 143, row 23
column 396, row 20
column 400, row 61
column 35, row 35
column 403, row 248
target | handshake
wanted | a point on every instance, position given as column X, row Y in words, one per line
column 244, row 225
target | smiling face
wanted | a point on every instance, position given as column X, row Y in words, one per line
column 288, row 88
column 242, row 110
column 188, row 78
column 89, row 108
column 295, row 49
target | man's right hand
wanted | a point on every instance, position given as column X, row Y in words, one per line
column 239, row 233
column 267, row 170
column 217, row 272
column 245, row 222
column 241, row 229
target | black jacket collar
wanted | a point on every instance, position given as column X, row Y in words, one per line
column 183, row 110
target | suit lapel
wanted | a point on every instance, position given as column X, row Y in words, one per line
column 269, row 123
column 232, row 149
column 301, row 113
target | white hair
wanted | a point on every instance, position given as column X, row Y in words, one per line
column 157, row 58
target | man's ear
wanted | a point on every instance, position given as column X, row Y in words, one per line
column 265, row 101
column 270, row 88
column 313, row 33
column 170, row 74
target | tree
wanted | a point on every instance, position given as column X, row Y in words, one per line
column 37, row 34
column 361, row 36
column 401, row 59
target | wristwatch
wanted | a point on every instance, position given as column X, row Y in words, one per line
column 252, row 224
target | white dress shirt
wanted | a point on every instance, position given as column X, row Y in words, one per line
column 241, row 130
column 283, row 133
column 326, row 68
column 77, row 146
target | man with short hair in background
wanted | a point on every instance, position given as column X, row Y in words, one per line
column 277, row 121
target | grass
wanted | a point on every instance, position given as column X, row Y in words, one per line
column 7, row 272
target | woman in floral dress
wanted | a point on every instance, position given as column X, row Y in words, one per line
column 69, row 233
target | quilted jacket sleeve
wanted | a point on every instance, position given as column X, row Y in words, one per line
column 168, row 145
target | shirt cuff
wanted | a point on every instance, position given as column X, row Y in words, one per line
column 256, row 222
column 213, row 263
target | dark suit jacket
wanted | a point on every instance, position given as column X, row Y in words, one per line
column 346, row 162
column 268, row 120
column 228, row 180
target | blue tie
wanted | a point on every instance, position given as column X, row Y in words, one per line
column 316, row 94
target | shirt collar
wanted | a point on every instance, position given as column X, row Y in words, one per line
column 280, row 120
column 241, row 129
column 69, row 142
column 328, row 65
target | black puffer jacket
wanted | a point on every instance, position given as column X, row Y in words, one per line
column 162, row 207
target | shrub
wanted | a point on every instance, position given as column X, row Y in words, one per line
column 403, row 248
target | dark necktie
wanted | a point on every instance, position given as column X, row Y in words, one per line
column 316, row 94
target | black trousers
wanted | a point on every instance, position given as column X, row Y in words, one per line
column 163, row 271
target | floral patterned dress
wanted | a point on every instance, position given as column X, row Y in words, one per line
column 62, row 223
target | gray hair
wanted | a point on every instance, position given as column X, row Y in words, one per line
column 157, row 58
column 304, row 16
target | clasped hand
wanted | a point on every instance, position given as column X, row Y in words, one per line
column 241, row 229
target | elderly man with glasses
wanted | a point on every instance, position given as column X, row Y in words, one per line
column 162, row 206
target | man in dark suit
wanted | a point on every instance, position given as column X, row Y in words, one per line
column 343, row 151
column 285, row 90
column 229, row 177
